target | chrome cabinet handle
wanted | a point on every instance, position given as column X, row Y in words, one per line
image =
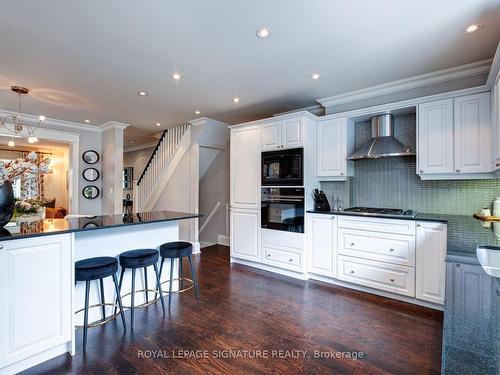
column 352, row 244
column 290, row 260
column 458, row 265
column 421, row 171
column 341, row 173
column 268, row 255
column 419, row 225
column 391, row 250
column 352, row 271
column 1, row 247
column 458, row 170
column 392, row 280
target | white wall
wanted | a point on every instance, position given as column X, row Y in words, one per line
column 112, row 169
column 137, row 160
column 214, row 187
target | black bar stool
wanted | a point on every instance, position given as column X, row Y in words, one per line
column 97, row 268
column 178, row 250
column 141, row 258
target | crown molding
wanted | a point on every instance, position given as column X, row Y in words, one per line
column 113, row 125
column 316, row 110
column 140, row 147
column 54, row 122
column 427, row 79
column 495, row 69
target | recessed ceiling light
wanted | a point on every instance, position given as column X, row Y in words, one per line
column 42, row 118
column 87, row 121
column 176, row 76
column 472, row 28
column 142, row 93
column 236, row 99
column 158, row 123
column 315, row 76
column 263, row 32
column 197, row 112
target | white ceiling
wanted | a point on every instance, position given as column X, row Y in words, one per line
column 88, row 59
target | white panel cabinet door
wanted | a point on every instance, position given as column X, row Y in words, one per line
column 245, row 234
column 245, row 167
column 495, row 92
column 331, row 148
column 271, row 136
column 291, row 131
column 35, row 294
column 430, row 263
column 473, row 133
column 322, row 244
column 435, row 137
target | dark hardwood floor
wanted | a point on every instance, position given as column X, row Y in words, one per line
column 241, row 308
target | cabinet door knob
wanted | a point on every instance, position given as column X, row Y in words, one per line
column 458, row 170
column 419, row 225
column 290, row 260
column 392, row 280
column 458, row 265
column 341, row 173
column 1, row 247
column 352, row 272
column 391, row 250
column 421, row 171
column 352, row 244
column 268, row 255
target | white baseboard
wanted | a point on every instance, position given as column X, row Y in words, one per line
column 204, row 244
column 223, row 240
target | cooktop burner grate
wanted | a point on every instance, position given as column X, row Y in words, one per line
column 374, row 210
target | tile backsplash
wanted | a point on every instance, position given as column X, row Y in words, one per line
column 393, row 182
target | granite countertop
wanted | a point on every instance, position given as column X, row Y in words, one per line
column 465, row 233
column 46, row 227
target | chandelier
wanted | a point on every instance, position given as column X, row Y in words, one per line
column 18, row 126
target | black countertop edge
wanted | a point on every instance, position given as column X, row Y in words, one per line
column 75, row 225
column 418, row 217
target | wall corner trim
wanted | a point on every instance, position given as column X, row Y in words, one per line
column 113, row 125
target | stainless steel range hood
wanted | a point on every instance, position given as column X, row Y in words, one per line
column 382, row 143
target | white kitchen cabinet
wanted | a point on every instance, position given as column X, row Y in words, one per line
column 332, row 146
column 245, row 234
column 271, row 136
column 36, row 300
column 321, row 232
column 282, row 134
column 472, row 118
column 245, row 167
column 430, row 261
column 495, row 112
column 435, row 137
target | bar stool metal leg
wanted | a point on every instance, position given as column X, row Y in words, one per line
column 103, row 307
column 119, row 287
column 119, row 300
column 193, row 274
column 161, row 270
column 170, row 284
column 146, row 283
column 132, row 300
column 86, row 314
column 158, row 282
column 181, row 281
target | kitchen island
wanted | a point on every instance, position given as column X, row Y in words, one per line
column 38, row 293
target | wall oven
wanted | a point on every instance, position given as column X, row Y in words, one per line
column 283, row 168
column 283, row 209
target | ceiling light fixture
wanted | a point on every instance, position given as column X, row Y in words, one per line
column 16, row 124
column 197, row 112
column 176, row 76
column 11, row 143
column 142, row 93
column 315, row 76
column 263, row 32
column 87, row 121
column 236, row 99
column 158, row 123
column 471, row 28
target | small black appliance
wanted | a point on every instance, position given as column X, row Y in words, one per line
column 320, row 201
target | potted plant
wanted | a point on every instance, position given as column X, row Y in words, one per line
column 31, row 164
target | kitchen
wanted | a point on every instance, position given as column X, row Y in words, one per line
column 394, row 188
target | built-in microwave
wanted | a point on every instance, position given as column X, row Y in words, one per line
column 282, row 209
column 283, row 168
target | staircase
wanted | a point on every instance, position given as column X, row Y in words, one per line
column 170, row 149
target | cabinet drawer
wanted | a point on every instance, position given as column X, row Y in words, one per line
column 391, row 278
column 377, row 224
column 283, row 238
column 282, row 258
column 383, row 247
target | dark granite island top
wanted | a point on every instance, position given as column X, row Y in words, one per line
column 47, row 227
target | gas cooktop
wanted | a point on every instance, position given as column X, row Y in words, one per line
column 374, row 211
